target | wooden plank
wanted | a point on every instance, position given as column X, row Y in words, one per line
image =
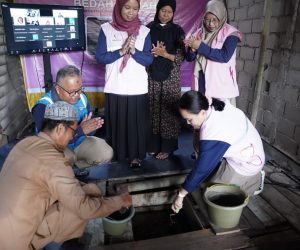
column 287, row 209
column 151, row 168
column 198, row 198
column 197, row 240
column 288, row 239
column 191, row 213
column 264, row 212
column 292, row 196
column 267, row 230
column 250, row 221
column 277, row 176
column 155, row 183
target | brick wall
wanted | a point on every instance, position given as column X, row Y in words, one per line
column 14, row 113
column 278, row 118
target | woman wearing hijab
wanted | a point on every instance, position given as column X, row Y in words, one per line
column 124, row 46
column 164, row 79
column 213, row 47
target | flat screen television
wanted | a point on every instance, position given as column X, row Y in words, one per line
column 35, row 28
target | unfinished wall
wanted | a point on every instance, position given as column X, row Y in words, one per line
column 14, row 113
column 278, row 118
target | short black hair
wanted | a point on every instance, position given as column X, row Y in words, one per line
column 49, row 125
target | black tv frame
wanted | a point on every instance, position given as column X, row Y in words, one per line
column 38, row 46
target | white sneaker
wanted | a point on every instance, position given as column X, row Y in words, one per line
column 261, row 187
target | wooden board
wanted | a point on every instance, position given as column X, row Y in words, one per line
column 250, row 221
column 176, row 164
column 288, row 239
column 189, row 210
column 197, row 240
column 264, row 212
column 287, row 209
column 275, row 176
column 292, row 196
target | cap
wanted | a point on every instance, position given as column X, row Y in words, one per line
column 60, row 111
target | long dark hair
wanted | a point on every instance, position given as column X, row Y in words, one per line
column 193, row 101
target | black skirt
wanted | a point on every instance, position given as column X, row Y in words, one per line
column 127, row 125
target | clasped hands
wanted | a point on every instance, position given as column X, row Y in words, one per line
column 193, row 42
column 128, row 46
column 89, row 124
column 159, row 49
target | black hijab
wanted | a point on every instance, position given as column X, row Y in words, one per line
column 171, row 34
column 163, row 3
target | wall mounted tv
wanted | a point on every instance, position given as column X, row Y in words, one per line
column 34, row 28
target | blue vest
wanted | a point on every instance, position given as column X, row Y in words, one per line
column 82, row 111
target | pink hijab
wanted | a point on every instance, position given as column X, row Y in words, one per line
column 132, row 27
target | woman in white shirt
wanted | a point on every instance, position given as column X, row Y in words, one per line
column 230, row 148
column 124, row 46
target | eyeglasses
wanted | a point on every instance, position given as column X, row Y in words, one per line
column 73, row 130
column 212, row 20
column 73, row 93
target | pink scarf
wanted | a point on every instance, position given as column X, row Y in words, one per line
column 132, row 27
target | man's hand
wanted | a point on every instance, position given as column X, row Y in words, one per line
column 126, row 199
column 89, row 124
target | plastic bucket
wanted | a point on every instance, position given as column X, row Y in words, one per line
column 225, row 204
column 116, row 223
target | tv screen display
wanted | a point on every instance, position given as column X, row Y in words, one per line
column 34, row 28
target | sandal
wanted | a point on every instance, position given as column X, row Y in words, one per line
column 162, row 156
column 136, row 163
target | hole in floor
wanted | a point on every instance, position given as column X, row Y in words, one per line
column 153, row 224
